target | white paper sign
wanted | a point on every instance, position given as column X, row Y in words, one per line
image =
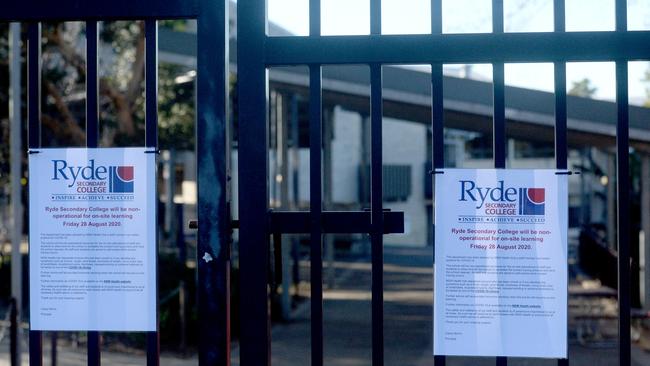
column 92, row 239
column 500, row 263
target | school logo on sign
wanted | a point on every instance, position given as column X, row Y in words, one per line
column 532, row 201
column 121, row 179
column 502, row 203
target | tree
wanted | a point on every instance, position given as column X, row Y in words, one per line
column 583, row 88
column 121, row 90
column 121, row 87
column 4, row 106
column 121, row 107
column 64, row 75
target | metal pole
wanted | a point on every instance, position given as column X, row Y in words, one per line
column 316, row 191
column 182, row 314
column 316, row 207
column 376, row 196
column 328, row 128
column 295, row 160
column 561, row 133
column 645, row 227
column 213, row 171
column 365, row 174
column 437, row 121
column 53, row 345
column 14, row 343
column 16, row 174
column 254, row 254
column 92, row 140
column 623, row 202
column 34, row 140
column 611, row 201
column 170, row 187
column 499, row 128
column 282, row 146
column 623, row 194
column 151, row 141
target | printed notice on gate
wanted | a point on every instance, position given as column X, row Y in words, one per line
column 92, row 239
column 500, row 271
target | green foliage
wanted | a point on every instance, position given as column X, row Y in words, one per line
column 178, row 25
column 175, row 100
column 122, row 101
column 61, row 72
column 121, row 77
column 4, row 105
column 583, row 88
column 176, row 109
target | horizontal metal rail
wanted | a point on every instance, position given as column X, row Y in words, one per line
column 339, row 222
column 458, row 48
column 69, row 10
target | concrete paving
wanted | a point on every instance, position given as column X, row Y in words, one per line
column 347, row 326
column 72, row 357
column 407, row 322
column 69, row 356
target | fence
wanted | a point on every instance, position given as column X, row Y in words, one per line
column 256, row 53
column 212, row 95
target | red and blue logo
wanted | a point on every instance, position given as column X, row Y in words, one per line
column 532, row 201
column 121, row 179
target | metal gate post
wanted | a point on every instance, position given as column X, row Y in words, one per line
column 316, row 192
column 561, row 134
column 623, row 194
column 316, row 208
column 213, row 162
column 376, row 196
column 92, row 139
column 16, row 129
column 151, row 141
column 499, row 118
column 34, row 142
column 437, row 122
column 253, row 183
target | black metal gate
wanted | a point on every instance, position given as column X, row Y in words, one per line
column 212, row 95
column 258, row 52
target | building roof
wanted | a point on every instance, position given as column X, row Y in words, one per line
column 468, row 103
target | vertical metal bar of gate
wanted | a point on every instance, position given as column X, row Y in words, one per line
column 559, row 70
column 316, row 192
column 623, row 204
column 623, row 193
column 316, row 208
column 498, row 80
column 15, row 145
column 151, row 141
column 253, row 190
column 92, row 85
column 437, row 119
column 151, row 83
column 561, row 145
column 34, row 142
column 92, row 139
column 213, row 152
column 499, row 125
column 376, row 196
